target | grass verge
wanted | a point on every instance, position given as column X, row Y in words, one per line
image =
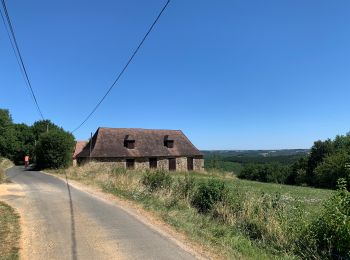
column 9, row 232
column 249, row 220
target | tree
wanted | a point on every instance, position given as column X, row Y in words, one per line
column 54, row 149
column 8, row 140
column 26, row 142
column 318, row 152
column 331, row 169
column 43, row 126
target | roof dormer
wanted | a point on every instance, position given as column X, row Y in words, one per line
column 168, row 141
column 129, row 142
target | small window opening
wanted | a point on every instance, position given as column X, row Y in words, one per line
column 130, row 164
column 129, row 142
column 168, row 142
column 153, row 163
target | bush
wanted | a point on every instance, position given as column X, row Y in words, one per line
column 55, row 149
column 155, row 180
column 330, row 232
column 208, row 194
column 185, row 186
column 331, row 169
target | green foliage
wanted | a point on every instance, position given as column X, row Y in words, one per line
column 331, row 169
column 18, row 140
column 26, row 140
column 8, row 141
column 43, row 126
column 216, row 163
column 318, row 152
column 207, row 194
column 330, row 232
column 54, row 149
column 155, row 180
column 274, row 172
column 186, row 186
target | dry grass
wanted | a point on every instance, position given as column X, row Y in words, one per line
column 9, row 232
column 4, row 165
column 248, row 224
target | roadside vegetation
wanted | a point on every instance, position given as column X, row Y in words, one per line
column 47, row 145
column 9, row 232
column 4, row 164
column 235, row 218
column 321, row 166
column 9, row 222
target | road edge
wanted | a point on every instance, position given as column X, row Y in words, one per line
column 145, row 217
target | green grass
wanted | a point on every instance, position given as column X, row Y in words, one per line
column 232, row 237
column 9, row 232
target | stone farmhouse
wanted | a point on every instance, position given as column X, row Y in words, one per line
column 136, row 148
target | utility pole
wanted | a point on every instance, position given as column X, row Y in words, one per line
column 47, row 128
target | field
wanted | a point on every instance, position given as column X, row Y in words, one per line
column 264, row 223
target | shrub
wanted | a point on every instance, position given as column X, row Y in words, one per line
column 185, row 187
column 155, row 180
column 208, row 194
column 330, row 232
column 54, row 149
column 331, row 169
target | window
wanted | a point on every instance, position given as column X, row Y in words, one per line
column 189, row 163
column 168, row 141
column 130, row 163
column 153, row 163
column 172, row 164
column 130, row 144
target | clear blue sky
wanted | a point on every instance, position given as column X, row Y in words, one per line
column 231, row 74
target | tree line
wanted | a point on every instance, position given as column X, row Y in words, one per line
column 327, row 162
column 47, row 145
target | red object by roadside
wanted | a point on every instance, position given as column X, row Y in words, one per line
column 26, row 161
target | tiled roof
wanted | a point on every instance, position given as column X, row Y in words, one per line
column 79, row 146
column 109, row 143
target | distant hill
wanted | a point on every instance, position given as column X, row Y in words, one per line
column 254, row 153
column 284, row 156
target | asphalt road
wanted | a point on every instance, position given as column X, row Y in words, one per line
column 67, row 223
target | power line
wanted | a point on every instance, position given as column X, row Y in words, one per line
column 19, row 56
column 16, row 55
column 124, row 68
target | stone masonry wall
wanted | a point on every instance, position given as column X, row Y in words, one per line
column 198, row 165
column 181, row 164
column 143, row 163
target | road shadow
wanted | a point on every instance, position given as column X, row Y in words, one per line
column 72, row 221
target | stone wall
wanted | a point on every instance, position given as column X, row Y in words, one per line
column 163, row 164
column 198, row 165
column 181, row 164
column 143, row 163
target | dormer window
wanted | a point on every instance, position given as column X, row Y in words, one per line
column 168, row 141
column 129, row 142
